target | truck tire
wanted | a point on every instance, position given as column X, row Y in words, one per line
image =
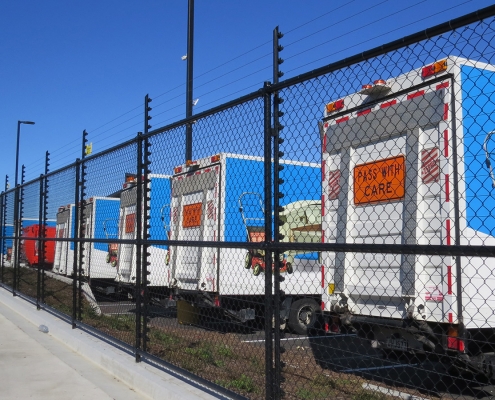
column 257, row 270
column 289, row 268
column 302, row 316
column 247, row 260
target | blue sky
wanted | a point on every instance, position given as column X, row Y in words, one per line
column 70, row 66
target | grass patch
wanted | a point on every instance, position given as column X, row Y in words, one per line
column 322, row 387
column 204, row 353
column 243, row 383
column 368, row 395
column 164, row 338
column 225, row 351
column 258, row 364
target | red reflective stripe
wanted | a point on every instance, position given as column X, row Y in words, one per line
column 388, row 104
column 322, row 306
column 322, row 205
column 364, row 112
column 323, row 170
column 430, row 167
column 449, row 279
column 323, row 236
column 451, row 317
column 322, row 276
column 446, row 143
column 333, row 185
column 344, row 119
column 325, row 142
column 207, row 169
column 443, row 85
column 447, row 188
column 447, row 226
column 445, row 111
column 417, row 94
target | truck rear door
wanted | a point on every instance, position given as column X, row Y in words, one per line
column 127, row 231
column 384, row 174
column 87, row 231
column 62, row 248
column 195, row 218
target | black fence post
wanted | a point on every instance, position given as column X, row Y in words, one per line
column 4, row 228
column 82, row 226
column 139, row 243
column 18, row 208
column 146, row 236
column 268, row 235
column 41, row 253
column 44, row 216
column 76, row 245
column 277, row 195
column 13, row 256
column 2, row 233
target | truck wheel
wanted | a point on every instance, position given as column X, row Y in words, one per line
column 256, row 270
column 247, row 260
column 302, row 316
column 289, row 268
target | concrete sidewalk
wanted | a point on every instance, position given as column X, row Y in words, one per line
column 68, row 363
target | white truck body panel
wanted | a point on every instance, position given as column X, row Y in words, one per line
column 64, row 251
column 205, row 208
column 95, row 263
column 159, row 268
column 412, row 135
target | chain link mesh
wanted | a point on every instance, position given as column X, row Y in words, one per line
column 383, row 259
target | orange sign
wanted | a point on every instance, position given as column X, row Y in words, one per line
column 191, row 216
column 378, row 181
column 130, row 220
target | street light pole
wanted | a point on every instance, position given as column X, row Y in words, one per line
column 189, row 78
column 17, row 223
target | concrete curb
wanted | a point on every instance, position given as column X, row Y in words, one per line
column 143, row 378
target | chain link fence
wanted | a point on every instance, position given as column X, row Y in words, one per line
column 332, row 237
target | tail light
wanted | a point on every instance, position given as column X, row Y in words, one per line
column 434, row 68
column 453, row 342
column 336, row 105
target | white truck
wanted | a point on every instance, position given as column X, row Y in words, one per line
column 63, row 263
column 100, row 219
column 220, row 199
column 99, row 222
column 159, row 215
column 407, row 161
